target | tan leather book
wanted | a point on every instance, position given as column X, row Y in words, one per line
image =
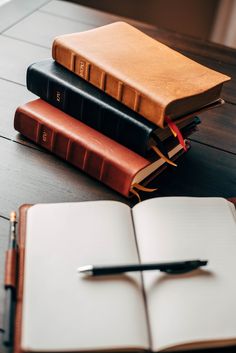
column 85, row 148
column 142, row 73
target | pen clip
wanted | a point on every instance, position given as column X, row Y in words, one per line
column 178, row 271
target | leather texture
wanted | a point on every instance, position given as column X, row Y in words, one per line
column 76, row 97
column 77, row 143
column 142, row 73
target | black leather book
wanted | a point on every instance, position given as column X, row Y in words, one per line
column 78, row 98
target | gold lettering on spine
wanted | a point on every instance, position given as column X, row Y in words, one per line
column 44, row 136
column 81, row 68
column 136, row 101
column 58, row 96
column 120, row 91
column 102, row 82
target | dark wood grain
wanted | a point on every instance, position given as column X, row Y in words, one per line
column 87, row 15
column 13, row 11
column 218, row 128
column 31, row 176
column 193, row 45
column 203, row 171
column 11, row 96
column 16, row 56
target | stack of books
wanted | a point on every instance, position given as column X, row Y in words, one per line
column 117, row 104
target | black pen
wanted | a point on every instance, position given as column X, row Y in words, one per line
column 10, row 283
column 168, row 267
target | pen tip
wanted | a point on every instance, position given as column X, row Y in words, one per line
column 88, row 269
column 13, row 216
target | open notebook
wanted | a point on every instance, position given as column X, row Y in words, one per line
column 64, row 312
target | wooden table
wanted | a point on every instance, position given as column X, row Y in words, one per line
column 29, row 174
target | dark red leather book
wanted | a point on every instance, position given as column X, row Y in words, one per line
column 85, row 148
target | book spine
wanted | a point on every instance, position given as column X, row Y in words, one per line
column 121, row 91
column 94, row 112
column 59, row 142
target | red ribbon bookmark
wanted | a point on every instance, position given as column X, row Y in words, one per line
column 174, row 128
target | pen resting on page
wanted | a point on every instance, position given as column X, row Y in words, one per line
column 177, row 267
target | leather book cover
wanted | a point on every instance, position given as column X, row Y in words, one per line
column 85, row 148
column 142, row 73
column 76, row 97
column 20, row 278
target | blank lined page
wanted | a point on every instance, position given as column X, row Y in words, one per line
column 62, row 311
column 198, row 307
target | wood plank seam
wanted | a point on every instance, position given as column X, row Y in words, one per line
column 117, row 18
column 222, row 53
column 25, row 41
column 17, row 83
column 22, row 144
column 67, row 18
column 228, row 102
column 25, row 16
column 216, row 148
